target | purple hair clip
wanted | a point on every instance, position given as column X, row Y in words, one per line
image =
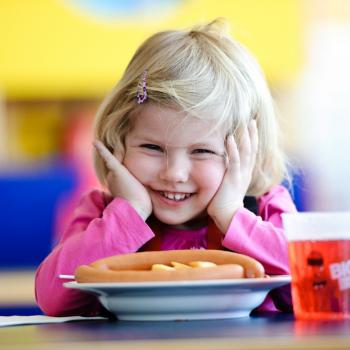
column 142, row 89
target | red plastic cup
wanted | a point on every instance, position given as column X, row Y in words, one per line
column 319, row 256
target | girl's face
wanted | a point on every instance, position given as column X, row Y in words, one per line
column 179, row 160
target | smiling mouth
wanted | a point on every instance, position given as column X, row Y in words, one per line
column 175, row 196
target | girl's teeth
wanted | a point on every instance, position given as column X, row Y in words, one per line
column 176, row 196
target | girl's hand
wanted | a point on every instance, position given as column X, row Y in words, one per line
column 237, row 177
column 122, row 183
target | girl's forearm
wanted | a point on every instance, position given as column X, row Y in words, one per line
column 119, row 231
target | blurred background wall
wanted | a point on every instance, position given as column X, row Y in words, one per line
column 60, row 57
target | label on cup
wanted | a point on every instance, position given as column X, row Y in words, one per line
column 340, row 271
column 320, row 278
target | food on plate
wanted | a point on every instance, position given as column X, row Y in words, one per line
column 162, row 267
column 176, row 265
column 201, row 264
column 170, row 266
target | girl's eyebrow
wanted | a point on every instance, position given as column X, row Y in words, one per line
column 199, row 144
column 149, row 138
column 204, row 144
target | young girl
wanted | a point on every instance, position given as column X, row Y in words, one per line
column 187, row 147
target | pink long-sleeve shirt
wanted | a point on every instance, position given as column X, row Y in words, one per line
column 104, row 226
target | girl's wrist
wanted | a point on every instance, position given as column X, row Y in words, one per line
column 144, row 213
column 224, row 216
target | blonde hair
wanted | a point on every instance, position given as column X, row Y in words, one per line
column 208, row 74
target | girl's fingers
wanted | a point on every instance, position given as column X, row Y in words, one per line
column 253, row 135
column 111, row 161
column 232, row 153
column 244, row 156
column 245, row 147
column 249, row 144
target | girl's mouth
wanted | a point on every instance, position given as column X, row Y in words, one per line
column 175, row 196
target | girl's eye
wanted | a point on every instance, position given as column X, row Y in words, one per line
column 152, row 147
column 203, row 151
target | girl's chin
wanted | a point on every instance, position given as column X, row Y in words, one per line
column 170, row 221
column 184, row 223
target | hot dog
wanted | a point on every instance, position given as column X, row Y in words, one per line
column 136, row 267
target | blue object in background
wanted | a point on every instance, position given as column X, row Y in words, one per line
column 298, row 189
column 20, row 311
column 27, row 212
column 126, row 9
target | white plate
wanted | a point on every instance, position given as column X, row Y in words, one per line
column 184, row 300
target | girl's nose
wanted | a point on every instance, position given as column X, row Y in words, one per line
column 175, row 169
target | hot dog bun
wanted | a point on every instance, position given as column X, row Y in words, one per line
column 136, row 267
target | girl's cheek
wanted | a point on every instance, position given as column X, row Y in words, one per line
column 143, row 168
column 210, row 175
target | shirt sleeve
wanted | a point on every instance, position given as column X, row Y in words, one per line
column 262, row 236
column 98, row 229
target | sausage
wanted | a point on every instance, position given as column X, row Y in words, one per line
column 136, row 267
column 87, row 274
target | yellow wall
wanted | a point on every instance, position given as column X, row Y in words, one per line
column 51, row 50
